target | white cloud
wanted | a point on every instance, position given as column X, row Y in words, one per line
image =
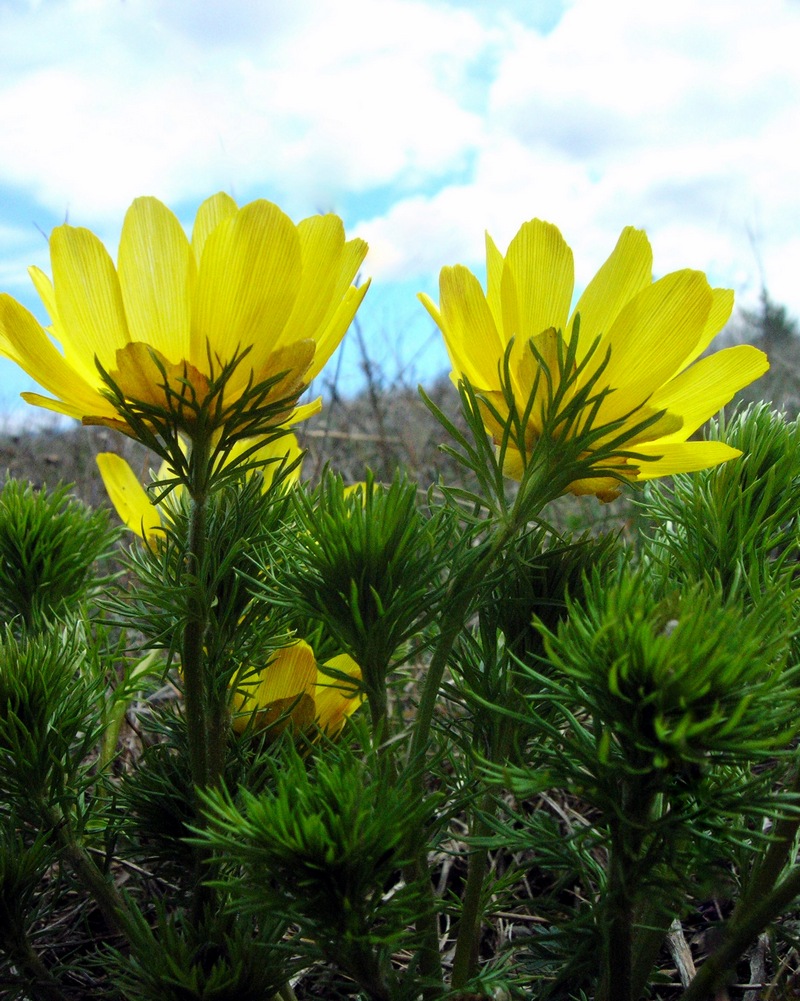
column 464, row 116
column 177, row 99
column 681, row 121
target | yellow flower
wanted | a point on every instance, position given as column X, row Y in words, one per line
column 652, row 332
column 293, row 689
column 137, row 511
column 250, row 290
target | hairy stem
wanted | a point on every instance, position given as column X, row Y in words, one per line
column 195, row 688
column 109, row 902
column 767, row 870
column 738, row 935
column 465, row 959
column 41, row 985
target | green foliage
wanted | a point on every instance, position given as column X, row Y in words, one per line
column 221, row 957
column 23, row 863
column 671, row 715
column 738, row 520
column 49, row 723
column 603, row 736
column 534, row 578
column 239, row 521
column 672, row 679
column 324, row 848
column 257, row 414
column 157, row 805
column 567, row 446
column 49, row 544
column 369, row 565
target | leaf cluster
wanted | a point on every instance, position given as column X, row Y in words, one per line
column 554, row 434
column 220, row 957
column 672, row 679
column 369, row 564
column 324, row 848
column 738, row 520
column 49, row 721
column 259, row 413
column 50, row 544
column 240, row 520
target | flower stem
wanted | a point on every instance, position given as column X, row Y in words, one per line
column 761, row 902
column 195, row 686
column 465, row 958
column 739, row 934
column 16, row 946
column 766, row 871
column 616, row 982
column 110, row 903
column 460, row 594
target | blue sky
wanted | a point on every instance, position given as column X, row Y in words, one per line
column 422, row 122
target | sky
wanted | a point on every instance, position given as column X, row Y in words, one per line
column 423, row 123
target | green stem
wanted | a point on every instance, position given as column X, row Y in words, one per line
column 460, row 596
column 738, row 935
column 761, row 902
column 616, row 979
column 378, row 711
column 195, row 691
column 767, row 870
column 286, row 993
column 530, row 500
column 465, row 958
column 109, row 902
column 42, row 985
column 653, row 927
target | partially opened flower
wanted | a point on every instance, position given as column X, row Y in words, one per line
column 216, row 332
column 635, row 353
column 293, row 690
column 135, row 506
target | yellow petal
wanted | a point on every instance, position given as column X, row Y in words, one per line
column 291, row 363
column 249, row 276
column 128, row 496
column 604, row 488
column 286, row 684
column 88, row 298
column 55, row 406
column 720, row 313
column 210, row 214
column 329, row 267
column 682, row 457
column 44, row 287
column 470, row 334
column 156, row 274
column 650, row 337
column 275, row 453
column 143, row 374
column 335, row 697
column 513, row 466
column 700, row 391
column 329, row 337
column 291, row 671
column 304, row 411
column 529, row 370
column 537, row 282
column 628, row 270
column 494, row 279
column 23, row 340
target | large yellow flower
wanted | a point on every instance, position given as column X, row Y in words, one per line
column 651, row 333
column 136, row 509
column 250, row 286
column 291, row 688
